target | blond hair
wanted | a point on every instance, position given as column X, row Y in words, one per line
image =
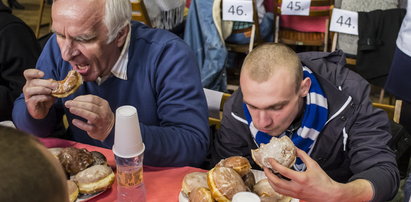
column 261, row 63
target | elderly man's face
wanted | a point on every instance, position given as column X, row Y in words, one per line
column 82, row 37
column 273, row 104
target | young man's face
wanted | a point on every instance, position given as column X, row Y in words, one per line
column 82, row 37
column 275, row 103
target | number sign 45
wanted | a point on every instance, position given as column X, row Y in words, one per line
column 344, row 21
column 295, row 7
column 238, row 10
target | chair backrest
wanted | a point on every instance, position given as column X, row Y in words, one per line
column 215, row 103
column 318, row 8
column 139, row 12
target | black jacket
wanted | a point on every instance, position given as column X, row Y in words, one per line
column 366, row 153
column 19, row 50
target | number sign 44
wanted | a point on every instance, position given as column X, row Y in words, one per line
column 344, row 21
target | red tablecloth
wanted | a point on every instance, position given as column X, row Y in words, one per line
column 162, row 183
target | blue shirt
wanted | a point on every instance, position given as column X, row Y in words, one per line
column 163, row 83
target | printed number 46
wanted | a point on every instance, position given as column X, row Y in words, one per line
column 238, row 10
column 343, row 22
column 294, row 5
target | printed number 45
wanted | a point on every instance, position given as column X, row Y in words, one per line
column 296, row 6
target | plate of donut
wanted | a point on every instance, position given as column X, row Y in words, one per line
column 88, row 173
column 229, row 176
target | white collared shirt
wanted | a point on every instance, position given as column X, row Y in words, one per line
column 119, row 69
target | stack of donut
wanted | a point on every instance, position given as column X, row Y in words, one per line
column 87, row 172
column 234, row 174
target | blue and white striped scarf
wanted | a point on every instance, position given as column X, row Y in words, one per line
column 314, row 119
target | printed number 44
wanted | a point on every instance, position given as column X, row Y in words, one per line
column 343, row 22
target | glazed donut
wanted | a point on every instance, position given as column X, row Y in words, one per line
column 94, row 179
column 193, row 180
column 69, row 85
column 240, row 164
column 281, row 149
column 200, row 194
column 224, row 183
column 266, row 193
column 72, row 190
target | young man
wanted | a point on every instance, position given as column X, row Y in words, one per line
column 325, row 109
column 122, row 63
column 29, row 172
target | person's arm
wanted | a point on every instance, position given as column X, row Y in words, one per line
column 19, row 51
column 23, row 120
column 371, row 158
column 182, row 138
column 315, row 185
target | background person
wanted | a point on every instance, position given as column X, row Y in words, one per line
column 122, row 63
column 29, row 172
column 19, row 50
column 326, row 112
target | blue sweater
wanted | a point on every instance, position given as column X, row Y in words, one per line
column 163, row 84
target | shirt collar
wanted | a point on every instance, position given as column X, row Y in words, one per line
column 119, row 69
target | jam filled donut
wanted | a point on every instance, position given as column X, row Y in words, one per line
column 69, row 85
column 94, row 179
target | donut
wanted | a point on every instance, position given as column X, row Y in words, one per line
column 69, row 85
column 99, row 158
column 281, row 149
column 94, row 179
column 266, row 193
column 200, row 194
column 75, row 160
column 193, row 180
column 240, row 164
column 72, row 190
column 224, row 183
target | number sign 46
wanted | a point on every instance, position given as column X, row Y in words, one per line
column 238, row 10
column 295, row 7
column 344, row 21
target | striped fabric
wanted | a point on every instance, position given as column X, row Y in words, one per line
column 314, row 118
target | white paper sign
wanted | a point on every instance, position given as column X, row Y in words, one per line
column 344, row 21
column 295, row 7
column 238, row 10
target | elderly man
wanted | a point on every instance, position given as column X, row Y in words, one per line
column 325, row 109
column 122, row 63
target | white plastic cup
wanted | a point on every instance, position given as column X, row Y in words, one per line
column 246, row 197
column 127, row 137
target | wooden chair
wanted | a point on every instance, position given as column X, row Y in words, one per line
column 40, row 23
column 215, row 103
column 293, row 37
column 254, row 31
column 393, row 111
column 139, row 12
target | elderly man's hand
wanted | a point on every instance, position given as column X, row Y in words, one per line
column 37, row 93
column 97, row 112
column 311, row 185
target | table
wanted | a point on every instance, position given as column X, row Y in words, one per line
column 161, row 183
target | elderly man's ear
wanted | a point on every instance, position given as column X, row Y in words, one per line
column 305, row 87
column 122, row 36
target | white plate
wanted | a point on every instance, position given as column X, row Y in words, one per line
column 86, row 197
